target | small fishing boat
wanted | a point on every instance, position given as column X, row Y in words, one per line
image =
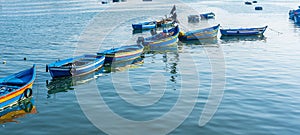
column 200, row 33
column 162, row 39
column 258, row 8
column 243, row 31
column 105, row 1
column 76, row 66
column 16, row 87
column 121, row 54
column 144, row 25
column 248, row 3
column 296, row 16
column 166, row 21
column 207, row 15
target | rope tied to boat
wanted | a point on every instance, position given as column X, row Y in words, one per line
column 275, row 31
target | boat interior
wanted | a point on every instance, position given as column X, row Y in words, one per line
column 4, row 89
column 80, row 62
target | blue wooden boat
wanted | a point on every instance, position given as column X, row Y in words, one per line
column 144, row 25
column 296, row 16
column 258, row 8
column 243, row 31
column 200, row 33
column 248, row 3
column 76, row 66
column 121, row 54
column 16, row 87
column 162, row 39
column 207, row 15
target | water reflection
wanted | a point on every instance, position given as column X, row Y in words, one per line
column 123, row 65
column 208, row 41
column 63, row 84
column 243, row 38
column 17, row 110
column 137, row 31
column 152, row 31
column 170, row 58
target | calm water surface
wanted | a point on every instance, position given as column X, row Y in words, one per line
column 261, row 93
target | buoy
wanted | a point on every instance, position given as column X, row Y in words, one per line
column 4, row 62
column 25, row 58
column 258, row 8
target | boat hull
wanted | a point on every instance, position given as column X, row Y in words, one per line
column 122, row 54
column 152, row 42
column 243, row 31
column 210, row 15
column 144, row 26
column 206, row 33
column 64, row 71
column 113, row 59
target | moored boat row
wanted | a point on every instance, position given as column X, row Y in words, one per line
column 81, row 65
column 18, row 86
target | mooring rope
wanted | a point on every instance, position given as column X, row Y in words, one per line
column 276, row 31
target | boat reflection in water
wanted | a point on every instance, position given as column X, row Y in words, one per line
column 63, row 84
column 243, row 38
column 123, row 65
column 20, row 109
column 207, row 41
column 162, row 49
column 170, row 58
